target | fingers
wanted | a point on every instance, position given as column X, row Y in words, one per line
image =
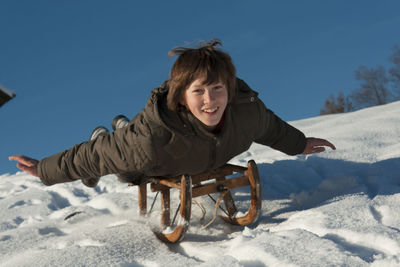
column 26, row 164
column 24, row 160
column 317, row 145
column 23, row 167
column 318, row 149
column 316, row 142
column 327, row 143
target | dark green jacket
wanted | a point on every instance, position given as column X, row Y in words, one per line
column 160, row 142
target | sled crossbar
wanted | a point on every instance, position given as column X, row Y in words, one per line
column 206, row 189
column 215, row 181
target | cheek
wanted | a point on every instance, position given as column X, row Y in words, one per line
column 191, row 103
column 224, row 98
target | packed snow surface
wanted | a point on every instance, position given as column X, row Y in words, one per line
column 337, row 208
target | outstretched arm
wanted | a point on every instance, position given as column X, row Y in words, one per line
column 316, row 145
column 26, row 164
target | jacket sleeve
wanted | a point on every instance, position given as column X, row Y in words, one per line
column 122, row 151
column 278, row 134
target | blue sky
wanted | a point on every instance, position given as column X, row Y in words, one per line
column 74, row 65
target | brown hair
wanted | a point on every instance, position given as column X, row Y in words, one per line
column 206, row 61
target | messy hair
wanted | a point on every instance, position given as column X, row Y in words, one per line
column 205, row 61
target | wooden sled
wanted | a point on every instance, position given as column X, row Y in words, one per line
column 198, row 185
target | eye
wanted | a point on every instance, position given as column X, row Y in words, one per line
column 218, row 88
column 198, row 91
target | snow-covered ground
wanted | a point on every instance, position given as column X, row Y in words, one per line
column 338, row 208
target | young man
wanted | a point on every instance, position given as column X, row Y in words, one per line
column 195, row 122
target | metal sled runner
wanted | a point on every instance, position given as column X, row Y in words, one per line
column 215, row 181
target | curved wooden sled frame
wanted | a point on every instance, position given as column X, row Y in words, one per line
column 192, row 186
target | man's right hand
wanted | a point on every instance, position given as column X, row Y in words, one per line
column 26, row 164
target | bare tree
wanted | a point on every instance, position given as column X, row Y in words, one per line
column 333, row 105
column 377, row 87
column 395, row 70
column 374, row 87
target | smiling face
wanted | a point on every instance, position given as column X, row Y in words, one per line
column 206, row 102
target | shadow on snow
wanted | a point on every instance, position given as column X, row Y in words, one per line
column 306, row 184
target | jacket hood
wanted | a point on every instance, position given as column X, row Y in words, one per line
column 157, row 110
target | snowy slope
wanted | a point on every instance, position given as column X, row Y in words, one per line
column 338, row 208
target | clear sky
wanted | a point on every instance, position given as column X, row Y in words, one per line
column 75, row 65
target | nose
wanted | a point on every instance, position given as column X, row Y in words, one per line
column 208, row 96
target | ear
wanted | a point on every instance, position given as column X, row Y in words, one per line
column 182, row 101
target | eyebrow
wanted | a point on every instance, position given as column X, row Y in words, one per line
column 201, row 86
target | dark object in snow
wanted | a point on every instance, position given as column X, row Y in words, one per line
column 72, row 215
column 5, row 95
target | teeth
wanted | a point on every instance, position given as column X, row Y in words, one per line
column 210, row 110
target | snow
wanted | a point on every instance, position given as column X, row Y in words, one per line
column 337, row 208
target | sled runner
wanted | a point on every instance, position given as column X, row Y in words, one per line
column 215, row 181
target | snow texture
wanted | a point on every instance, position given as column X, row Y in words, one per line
column 337, row 208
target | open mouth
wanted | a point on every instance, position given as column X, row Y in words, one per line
column 210, row 110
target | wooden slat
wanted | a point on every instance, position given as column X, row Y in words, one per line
column 165, row 209
column 162, row 185
column 169, row 183
column 142, row 199
column 213, row 187
column 256, row 201
column 157, row 187
column 228, row 200
column 184, row 213
column 173, row 182
column 221, row 172
column 236, row 168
